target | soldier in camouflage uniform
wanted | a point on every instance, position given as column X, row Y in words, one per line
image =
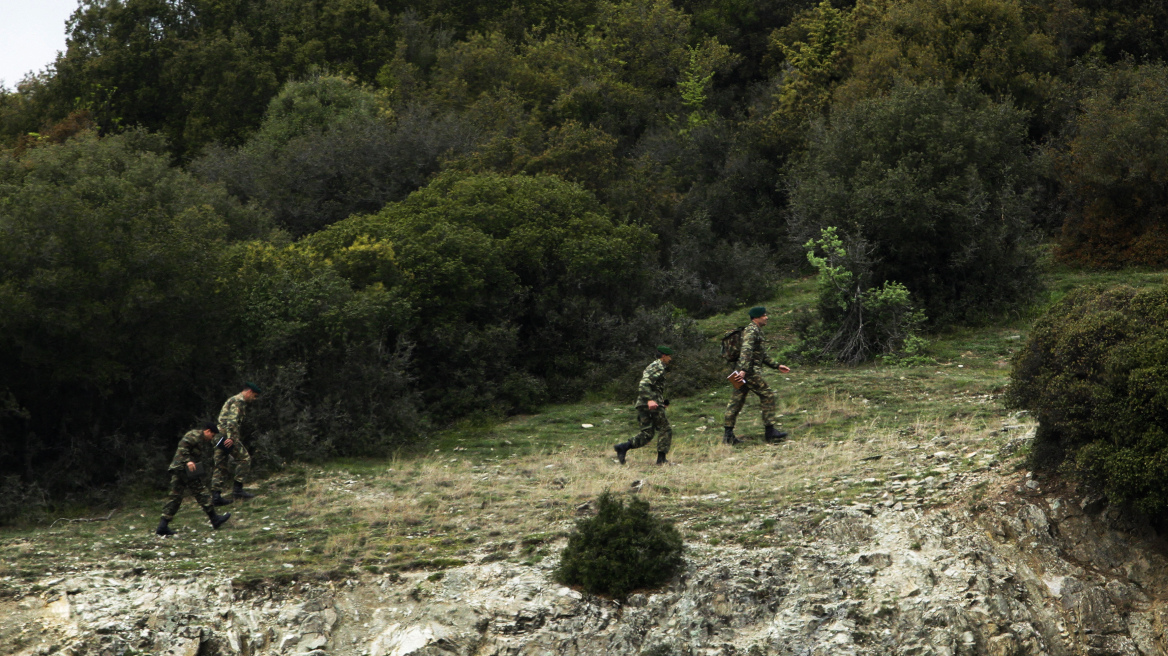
column 651, row 410
column 749, row 379
column 185, row 477
column 232, row 450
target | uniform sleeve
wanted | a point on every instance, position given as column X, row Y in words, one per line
column 749, row 344
column 229, row 418
column 183, row 454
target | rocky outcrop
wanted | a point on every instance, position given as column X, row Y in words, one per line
column 1026, row 574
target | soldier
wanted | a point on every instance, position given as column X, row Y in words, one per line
column 747, row 378
column 231, row 448
column 651, row 409
column 185, row 477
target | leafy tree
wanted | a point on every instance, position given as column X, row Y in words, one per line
column 113, row 330
column 328, row 148
column 938, row 184
column 520, row 283
column 990, row 45
column 1114, row 171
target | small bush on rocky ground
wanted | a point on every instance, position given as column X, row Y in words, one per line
column 621, row 549
column 1093, row 373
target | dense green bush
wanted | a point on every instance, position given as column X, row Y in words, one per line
column 938, row 184
column 1094, row 373
column 522, row 287
column 621, row 549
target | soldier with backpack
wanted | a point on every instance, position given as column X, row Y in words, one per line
column 748, row 357
column 651, row 410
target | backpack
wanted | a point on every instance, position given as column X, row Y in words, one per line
column 732, row 344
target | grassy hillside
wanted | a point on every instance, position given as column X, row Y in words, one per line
column 507, row 490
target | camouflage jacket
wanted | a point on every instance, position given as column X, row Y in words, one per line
column 190, row 449
column 232, row 415
column 652, row 387
column 754, row 351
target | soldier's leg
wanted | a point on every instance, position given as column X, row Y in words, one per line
column 175, row 497
column 647, row 423
column 242, row 462
column 737, row 400
column 199, row 492
column 766, row 398
column 221, row 471
column 664, row 432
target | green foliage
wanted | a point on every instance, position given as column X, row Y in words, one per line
column 1114, row 171
column 1094, row 374
column 113, row 328
column 996, row 46
column 938, row 186
column 621, row 549
column 329, row 148
column 855, row 321
column 522, row 286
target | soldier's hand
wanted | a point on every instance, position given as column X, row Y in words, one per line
column 652, row 406
column 190, row 466
column 227, row 443
column 784, row 369
column 738, row 377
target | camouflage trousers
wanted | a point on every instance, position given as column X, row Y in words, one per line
column 224, row 460
column 766, row 397
column 653, row 422
column 180, row 485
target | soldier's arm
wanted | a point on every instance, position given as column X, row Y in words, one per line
column 182, row 454
column 749, row 344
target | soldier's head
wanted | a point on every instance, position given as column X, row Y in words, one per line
column 758, row 314
column 665, row 354
column 210, row 430
column 250, row 391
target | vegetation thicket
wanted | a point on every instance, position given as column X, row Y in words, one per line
column 1093, row 374
column 398, row 214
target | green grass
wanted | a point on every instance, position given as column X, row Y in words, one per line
column 509, row 490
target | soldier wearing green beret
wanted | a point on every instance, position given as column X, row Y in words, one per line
column 185, row 476
column 747, row 378
column 651, row 409
column 230, row 449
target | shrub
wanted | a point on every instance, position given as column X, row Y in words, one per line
column 938, row 184
column 621, row 549
column 854, row 320
column 1094, row 372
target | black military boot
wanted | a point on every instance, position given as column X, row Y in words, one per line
column 218, row 520
column 218, row 500
column 238, row 492
column 163, row 528
column 661, row 458
column 774, row 435
column 728, row 435
column 621, row 449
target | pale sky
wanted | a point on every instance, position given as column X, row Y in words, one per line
column 31, row 34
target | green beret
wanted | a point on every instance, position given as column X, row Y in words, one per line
column 211, row 426
column 253, row 387
column 757, row 311
column 664, row 350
